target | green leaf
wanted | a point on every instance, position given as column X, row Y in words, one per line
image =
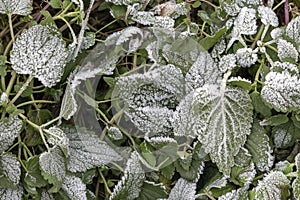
column 16, row 7
column 285, row 134
column 243, row 176
column 239, row 194
column 86, row 151
column 259, row 105
column 129, row 187
column 296, row 182
column 272, row 186
column 9, row 130
column 151, row 191
column 183, row 189
column 275, row 120
column 33, row 176
column 59, row 138
column 56, row 4
column 168, row 171
column 9, row 194
column 53, row 167
column 147, row 150
column 225, row 118
column 259, row 147
column 26, row 93
column 74, row 188
column 210, row 41
column 10, row 171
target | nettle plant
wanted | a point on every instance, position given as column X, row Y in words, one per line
column 157, row 110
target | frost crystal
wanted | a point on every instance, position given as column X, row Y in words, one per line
column 246, row 57
column 11, row 194
column 86, row 151
column 293, row 29
column 286, row 50
column 10, row 168
column 277, row 33
column 17, row 7
column 271, row 185
column 74, row 187
column 231, row 8
column 41, row 52
column 9, row 130
column 129, row 186
column 183, row 189
column 227, row 62
column 245, row 23
column 268, row 16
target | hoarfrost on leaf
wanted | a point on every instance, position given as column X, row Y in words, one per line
column 267, row 16
column 148, row 18
column 239, row 194
column 74, row 187
column 224, row 121
column 10, row 170
column 271, row 186
column 286, row 50
column 47, row 196
column 9, row 130
column 115, row 133
column 58, row 137
column 129, row 186
column 296, row 182
column 293, row 29
column 246, row 57
column 41, row 52
column 68, row 105
column 227, row 62
column 11, row 194
column 245, row 23
column 277, row 33
column 86, row 151
column 16, row 7
column 183, row 190
column 284, row 134
column 53, row 167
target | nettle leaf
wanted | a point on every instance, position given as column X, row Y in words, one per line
column 9, row 130
column 87, row 151
column 285, row 134
column 33, row 176
column 246, row 57
column 281, row 89
column 16, row 7
column 296, row 182
column 53, row 167
column 225, row 117
column 149, row 18
column 287, row 51
column 10, row 171
column 293, row 28
column 58, row 137
column 227, row 62
column 68, row 105
column 129, row 186
column 46, row 195
column 268, row 16
column 40, row 51
column 239, row 194
column 151, row 190
column 259, row 147
column 184, row 190
column 9, row 194
column 243, row 176
column 115, row 133
column 74, row 188
column 203, row 71
column 272, row 186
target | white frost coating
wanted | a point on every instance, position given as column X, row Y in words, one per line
column 69, row 104
column 74, row 187
column 231, row 8
column 277, row 33
column 4, row 98
column 115, row 133
column 267, row 16
column 227, row 62
column 57, row 137
column 245, row 23
column 159, row 140
column 11, row 194
column 86, row 151
column 8, row 132
column 282, row 89
column 293, row 29
column 148, row 18
column 282, row 138
column 239, row 79
column 296, row 182
column 129, row 186
column 40, row 51
column 203, row 71
column 183, row 190
column 46, row 195
column 246, row 57
column 218, row 183
column 247, row 175
column 11, row 168
column 16, row 7
column 219, row 48
column 286, row 50
column 270, row 186
column 239, row 194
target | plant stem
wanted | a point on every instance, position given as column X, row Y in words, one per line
column 278, row 5
column 106, row 25
column 11, row 82
column 11, row 27
column 35, row 101
column 257, row 37
column 104, row 181
column 24, row 86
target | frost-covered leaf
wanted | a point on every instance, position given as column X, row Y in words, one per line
column 46, row 195
column 225, row 117
column 86, row 151
column 68, row 105
column 33, row 177
column 240, row 82
column 151, row 190
column 293, row 29
column 243, row 176
column 149, row 18
column 9, row 130
column 287, row 51
column 227, row 62
column 10, row 171
column 296, row 182
column 272, row 186
column 277, row 33
column 245, row 23
column 259, row 147
column 285, row 134
column 74, row 188
column 239, row 194
column 203, row 71
column 17, row 7
column 115, row 133
column 11, row 194
column 53, row 167
column 88, row 40
column 58, row 137
column 246, row 57
column 267, row 16
column 281, row 89
column 183, row 190
column 129, row 186
column 40, row 51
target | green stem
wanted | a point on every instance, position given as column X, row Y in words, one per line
column 11, row 27
column 278, row 5
column 104, row 181
column 11, row 82
column 256, row 80
column 35, row 101
column 24, row 86
column 106, row 25
column 258, row 35
column 50, row 122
